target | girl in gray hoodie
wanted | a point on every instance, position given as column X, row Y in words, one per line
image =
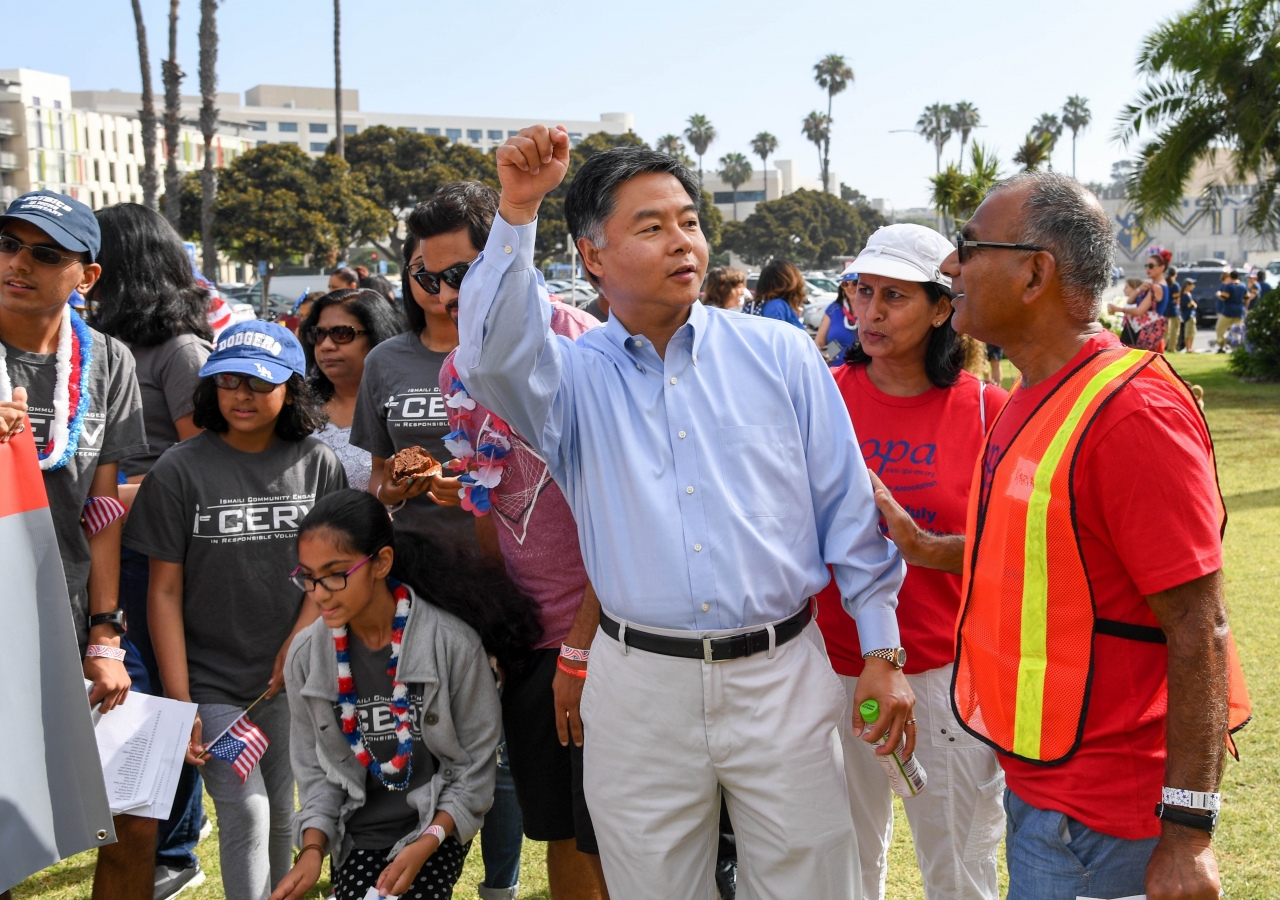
column 394, row 709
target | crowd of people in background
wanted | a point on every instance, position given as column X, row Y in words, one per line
column 412, row 633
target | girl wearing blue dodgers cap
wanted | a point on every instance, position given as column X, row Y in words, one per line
column 217, row 515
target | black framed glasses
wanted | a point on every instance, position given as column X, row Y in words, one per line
column 229, row 381
column 339, row 334
column 965, row 247
column 452, row 276
column 46, row 256
column 331, row 583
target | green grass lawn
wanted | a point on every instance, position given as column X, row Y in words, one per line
column 1245, row 420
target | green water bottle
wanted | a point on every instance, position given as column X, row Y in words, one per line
column 906, row 775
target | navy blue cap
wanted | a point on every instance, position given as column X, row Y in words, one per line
column 69, row 223
column 262, row 349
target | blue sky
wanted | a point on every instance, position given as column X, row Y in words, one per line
column 746, row 64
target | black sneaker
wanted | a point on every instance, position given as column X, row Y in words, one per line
column 727, row 878
column 171, row 882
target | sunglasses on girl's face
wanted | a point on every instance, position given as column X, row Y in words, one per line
column 229, row 382
column 46, row 256
column 339, row 334
column 452, row 276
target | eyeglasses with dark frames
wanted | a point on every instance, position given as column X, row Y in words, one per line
column 46, row 256
column 229, row 381
column 331, row 583
column 965, row 247
column 339, row 334
column 452, row 276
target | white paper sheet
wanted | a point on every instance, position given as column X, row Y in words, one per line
column 142, row 744
column 372, row 894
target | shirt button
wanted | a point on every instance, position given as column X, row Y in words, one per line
column 639, row 343
column 695, row 357
column 689, row 489
column 673, row 381
column 682, row 434
column 506, row 249
column 432, row 719
column 697, row 548
column 639, row 367
column 706, row 606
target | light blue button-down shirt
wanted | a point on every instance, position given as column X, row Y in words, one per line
column 710, row 487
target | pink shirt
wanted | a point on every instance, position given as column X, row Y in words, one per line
column 536, row 529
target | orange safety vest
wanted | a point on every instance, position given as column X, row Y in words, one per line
column 1024, row 641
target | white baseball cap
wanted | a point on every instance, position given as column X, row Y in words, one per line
column 906, row 252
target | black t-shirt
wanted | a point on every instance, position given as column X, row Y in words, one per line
column 231, row 518
column 386, row 816
column 113, row 430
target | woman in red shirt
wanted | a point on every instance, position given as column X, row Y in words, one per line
column 920, row 419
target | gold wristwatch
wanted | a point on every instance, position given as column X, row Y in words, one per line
column 895, row 656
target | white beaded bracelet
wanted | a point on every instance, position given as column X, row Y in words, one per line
column 1191, row 799
column 101, row 651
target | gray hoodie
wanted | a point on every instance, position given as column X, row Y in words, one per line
column 461, row 724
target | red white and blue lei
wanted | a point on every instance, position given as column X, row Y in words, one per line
column 481, row 466
column 403, row 760
column 74, row 360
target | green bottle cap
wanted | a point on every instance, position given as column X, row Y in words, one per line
column 869, row 710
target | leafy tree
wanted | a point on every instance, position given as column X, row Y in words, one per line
column 147, row 115
column 1212, row 82
column 935, row 125
column 553, row 230
column 1076, row 116
column 354, row 215
column 701, row 133
column 711, row 220
column 763, row 145
column 833, row 75
column 735, row 169
column 816, row 128
column 964, row 118
column 810, row 227
column 947, row 187
column 1034, row 151
column 957, row 194
column 401, row 168
column 672, row 145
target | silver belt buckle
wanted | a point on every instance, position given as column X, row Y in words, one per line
column 706, row 651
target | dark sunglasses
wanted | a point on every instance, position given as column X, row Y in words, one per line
column 452, row 276
column 339, row 334
column 228, row 381
column 46, row 256
column 965, row 248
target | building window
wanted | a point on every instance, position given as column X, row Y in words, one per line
column 495, row 135
column 435, row 131
column 57, row 104
column 93, row 199
column 743, row 196
column 318, row 146
column 288, row 126
column 348, row 129
column 111, row 172
column 102, row 139
column 115, row 141
column 130, row 140
column 453, row 134
column 87, row 142
column 513, row 134
column 97, row 171
column 257, row 126
column 409, row 128
column 318, row 128
column 262, row 143
column 575, row 137
column 474, row 134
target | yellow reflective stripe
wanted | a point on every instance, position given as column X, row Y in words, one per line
column 1034, row 659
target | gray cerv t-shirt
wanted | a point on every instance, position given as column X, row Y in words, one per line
column 112, row 431
column 168, row 374
column 231, row 518
column 399, row 406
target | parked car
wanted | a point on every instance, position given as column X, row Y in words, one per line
column 1208, row 276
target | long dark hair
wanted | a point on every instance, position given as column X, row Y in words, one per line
column 943, row 355
column 304, row 415
column 378, row 318
column 147, row 293
column 783, row 280
column 476, row 591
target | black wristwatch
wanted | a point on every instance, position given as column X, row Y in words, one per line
column 115, row 619
column 1207, row 821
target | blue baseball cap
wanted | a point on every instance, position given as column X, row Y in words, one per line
column 70, row 223
column 262, row 349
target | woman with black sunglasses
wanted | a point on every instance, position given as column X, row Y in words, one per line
column 337, row 335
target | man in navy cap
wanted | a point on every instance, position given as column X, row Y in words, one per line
column 48, row 244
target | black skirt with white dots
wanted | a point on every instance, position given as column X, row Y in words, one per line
column 435, row 879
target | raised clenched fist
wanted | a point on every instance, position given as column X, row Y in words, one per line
column 530, row 166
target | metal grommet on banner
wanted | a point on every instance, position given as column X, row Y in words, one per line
column 102, row 834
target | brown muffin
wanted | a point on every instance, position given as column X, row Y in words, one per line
column 414, row 462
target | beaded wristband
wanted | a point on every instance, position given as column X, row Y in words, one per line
column 573, row 653
column 1191, row 799
column 101, row 651
column 570, row 670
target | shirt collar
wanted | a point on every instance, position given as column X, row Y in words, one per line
column 697, row 323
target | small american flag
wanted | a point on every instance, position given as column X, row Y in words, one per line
column 242, row 745
column 99, row 512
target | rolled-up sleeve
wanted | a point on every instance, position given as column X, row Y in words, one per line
column 508, row 358
column 868, row 568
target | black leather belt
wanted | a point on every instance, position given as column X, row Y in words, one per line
column 710, row 649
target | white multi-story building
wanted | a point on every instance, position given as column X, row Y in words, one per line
column 784, row 178
column 48, row 141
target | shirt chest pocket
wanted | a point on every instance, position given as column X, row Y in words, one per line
column 758, row 468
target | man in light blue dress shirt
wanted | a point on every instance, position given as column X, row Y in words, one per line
column 714, row 475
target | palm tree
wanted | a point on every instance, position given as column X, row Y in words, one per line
column 964, row 118
column 763, row 145
column 982, row 177
column 673, row 145
column 172, row 76
column 833, row 75
column 817, row 128
column 934, row 125
column 947, row 188
column 208, row 125
column 735, row 169
column 147, row 115
column 1049, row 128
column 1213, row 75
column 1034, row 151
column 700, row 133
column 337, row 76
column 1076, row 116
